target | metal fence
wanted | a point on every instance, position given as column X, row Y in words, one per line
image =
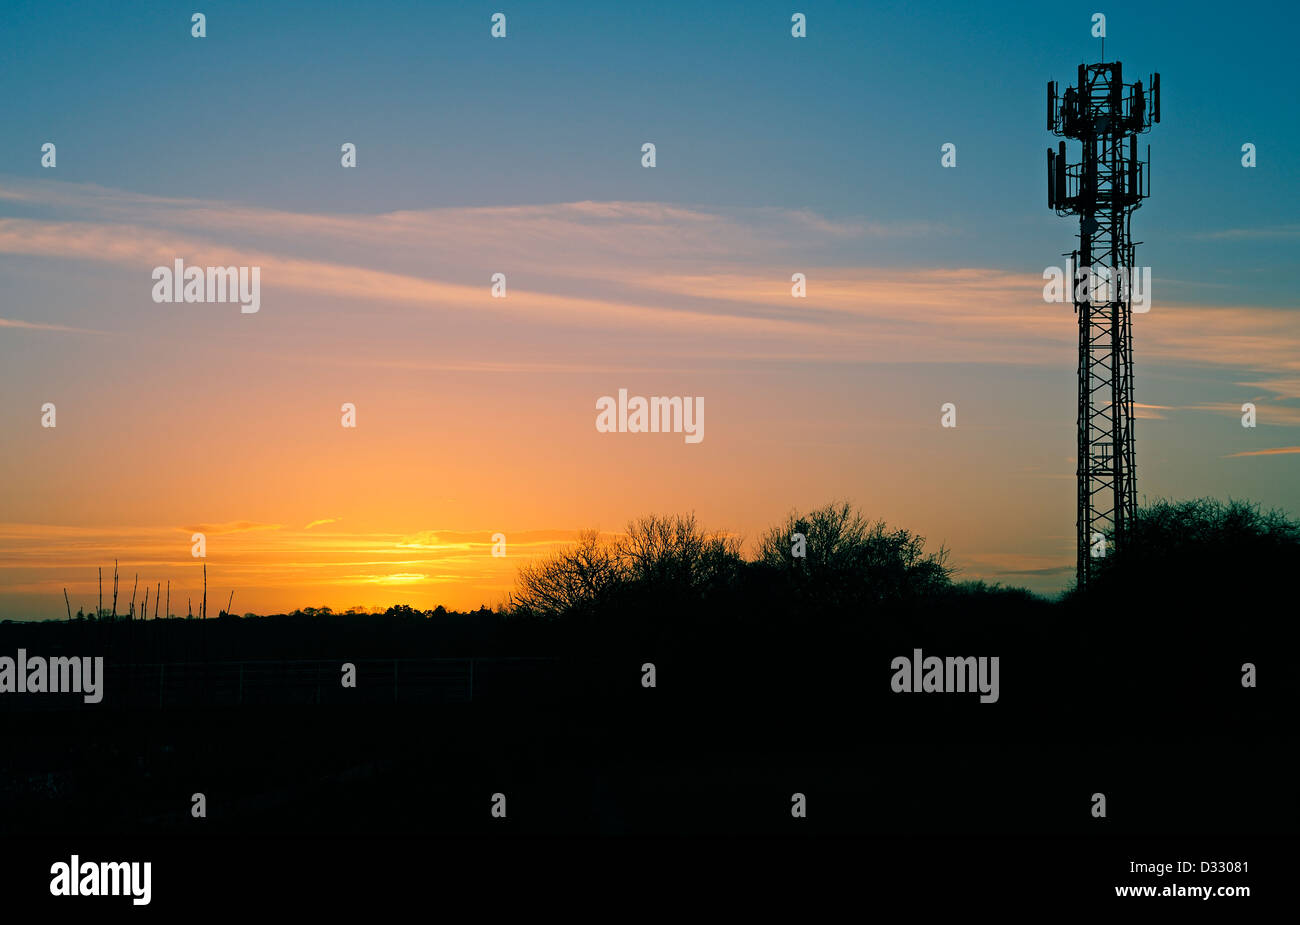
column 307, row 681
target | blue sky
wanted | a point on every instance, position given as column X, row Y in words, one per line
column 773, row 155
column 845, row 122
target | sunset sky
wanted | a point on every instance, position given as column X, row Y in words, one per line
column 522, row 156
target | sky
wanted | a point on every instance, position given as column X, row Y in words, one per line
column 522, row 155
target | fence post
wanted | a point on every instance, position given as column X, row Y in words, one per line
column 162, row 669
column 471, row 680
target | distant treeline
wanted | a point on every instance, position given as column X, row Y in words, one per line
column 759, row 663
column 830, row 578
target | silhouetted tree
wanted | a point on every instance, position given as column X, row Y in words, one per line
column 671, row 562
column 660, row 557
column 571, row 580
column 851, row 561
column 662, row 553
column 1200, row 551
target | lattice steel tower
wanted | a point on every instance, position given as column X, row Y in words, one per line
column 1103, row 188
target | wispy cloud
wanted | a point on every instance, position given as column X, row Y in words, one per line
column 280, row 568
column 1275, row 451
column 1280, row 387
column 659, row 270
column 234, row 526
column 37, row 326
column 1249, row 234
column 1266, row 412
column 1145, row 412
